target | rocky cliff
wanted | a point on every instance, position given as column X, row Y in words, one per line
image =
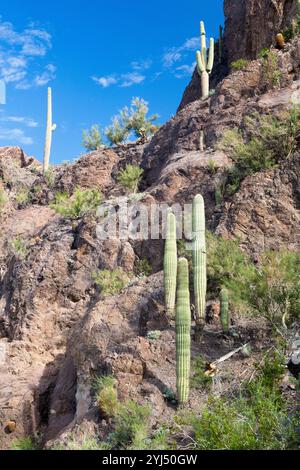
column 57, row 333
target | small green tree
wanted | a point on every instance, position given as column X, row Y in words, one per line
column 137, row 120
column 130, row 177
column 76, row 206
column 91, row 139
column 117, row 133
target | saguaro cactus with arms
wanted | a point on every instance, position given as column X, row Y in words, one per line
column 49, row 129
column 205, row 62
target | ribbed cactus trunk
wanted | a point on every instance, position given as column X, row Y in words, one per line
column 49, row 129
column 183, row 333
column 205, row 64
column 170, row 265
column 224, row 305
column 199, row 258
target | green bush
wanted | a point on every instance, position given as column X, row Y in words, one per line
column 22, row 197
column 271, row 71
column 106, row 395
column 270, row 289
column 199, row 379
column 111, row 282
column 117, row 133
column 143, row 268
column 136, row 119
column 240, row 64
column 26, row 443
column 76, row 206
column 3, row 199
column 265, row 142
column 91, row 139
column 130, row 177
column 18, row 248
column 131, row 426
column 256, row 419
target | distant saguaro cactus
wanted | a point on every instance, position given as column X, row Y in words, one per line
column 183, row 332
column 205, row 64
column 225, row 318
column 170, row 264
column 199, row 258
column 49, row 129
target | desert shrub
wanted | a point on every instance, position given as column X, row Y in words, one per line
column 153, row 335
column 86, row 442
column 18, row 248
column 199, row 379
column 270, row 140
column 130, row 177
column 240, row 64
column 236, row 272
column 26, row 443
column 143, row 268
column 117, row 133
column 91, row 139
column 49, row 176
column 111, row 282
column 76, row 206
column 22, row 197
column 3, row 199
column 131, row 426
column 264, row 53
column 271, row 71
column 256, row 419
column 276, row 290
column 106, row 395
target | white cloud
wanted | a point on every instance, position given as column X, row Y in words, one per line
column 185, row 70
column 29, row 122
column 131, row 78
column 176, row 54
column 19, row 50
column 47, row 75
column 17, row 136
column 105, row 82
column 125, row 80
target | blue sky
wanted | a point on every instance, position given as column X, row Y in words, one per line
column 96, row 56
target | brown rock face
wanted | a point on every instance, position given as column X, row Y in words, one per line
column 252, row 25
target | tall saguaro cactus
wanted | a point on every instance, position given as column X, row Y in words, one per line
column 225, row 318
column 183, row 332
column 170, row 264
column 205, row 62
column 49, row 129
column 199, row 258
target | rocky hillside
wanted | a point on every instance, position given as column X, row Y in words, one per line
column 57, row 330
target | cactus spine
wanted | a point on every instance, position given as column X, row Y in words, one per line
column 170, row 264
column 199, row 258
column 225, row 318
column 49, row 129
column 183, row 332
column 205, row 64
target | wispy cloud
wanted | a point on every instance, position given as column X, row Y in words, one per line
column 134, row 77
column 18, row 53
column 174, row 55
column 184, row 70
column 16, row 135
column 105, row 82
column 28, row 122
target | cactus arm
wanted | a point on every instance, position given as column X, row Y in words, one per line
column 170, row 265
column 211, row 55
column 49, row 129
column 225, row 318
column 200, row 65
column 183, row 333
column 203, row 43
column 199, row 258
